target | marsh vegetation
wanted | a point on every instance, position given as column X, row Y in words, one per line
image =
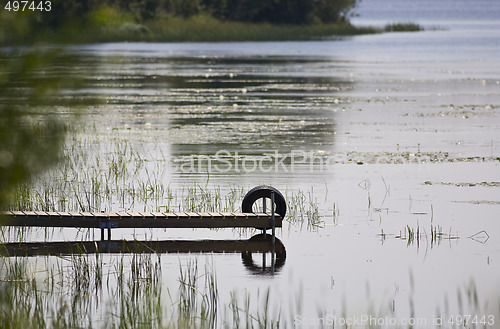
column 401, row 222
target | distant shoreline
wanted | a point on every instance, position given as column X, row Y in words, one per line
column 192, row 30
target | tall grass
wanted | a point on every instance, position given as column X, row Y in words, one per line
column 62, row 294
column 303, row 208
column 52, row 292
column 111, row 175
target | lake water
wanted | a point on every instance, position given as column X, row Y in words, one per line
column 379, row 133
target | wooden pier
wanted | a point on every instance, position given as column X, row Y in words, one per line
column 113, row 220
column 109, row 220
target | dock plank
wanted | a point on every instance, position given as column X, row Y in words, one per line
column 146, row 214
column 53, row 214
column 75, row 214
column 16, row 213
column 30, row 213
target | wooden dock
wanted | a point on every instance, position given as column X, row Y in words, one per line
column 111, row 220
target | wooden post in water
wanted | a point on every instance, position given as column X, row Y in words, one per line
column 264, row 211
column 273, row 228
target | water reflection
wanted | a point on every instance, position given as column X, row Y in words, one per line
column 273, row 256
column 203, row 104
column 269, row 266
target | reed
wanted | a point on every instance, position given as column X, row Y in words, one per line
column 108, row 174
column 415, row 235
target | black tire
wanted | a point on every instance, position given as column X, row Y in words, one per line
column 264, row 191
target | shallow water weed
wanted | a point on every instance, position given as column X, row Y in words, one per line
column 303, row 208
column 433, row 237
column 125, row 181
column 190, row 293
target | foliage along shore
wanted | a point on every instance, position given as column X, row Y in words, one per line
column 199, row 30
column 176, row 29
column 192, row 30
column 111, row 25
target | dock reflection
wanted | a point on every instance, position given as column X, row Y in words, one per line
column 258, row 244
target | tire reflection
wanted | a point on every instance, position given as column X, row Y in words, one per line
column 268, row 266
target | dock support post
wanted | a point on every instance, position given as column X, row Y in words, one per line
column 273, row 219
column 264, row 209
column 105, row 224
column 273, row 227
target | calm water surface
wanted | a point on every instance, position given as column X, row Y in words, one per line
column 407, row 125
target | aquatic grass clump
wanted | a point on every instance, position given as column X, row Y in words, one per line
column 416, row 235
column 47, row 293
column 27, row 302
column 303, row 208
column 190, row 293
column 403, row 27
column 264, row 317
column 139, row 292
column 203, row 199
